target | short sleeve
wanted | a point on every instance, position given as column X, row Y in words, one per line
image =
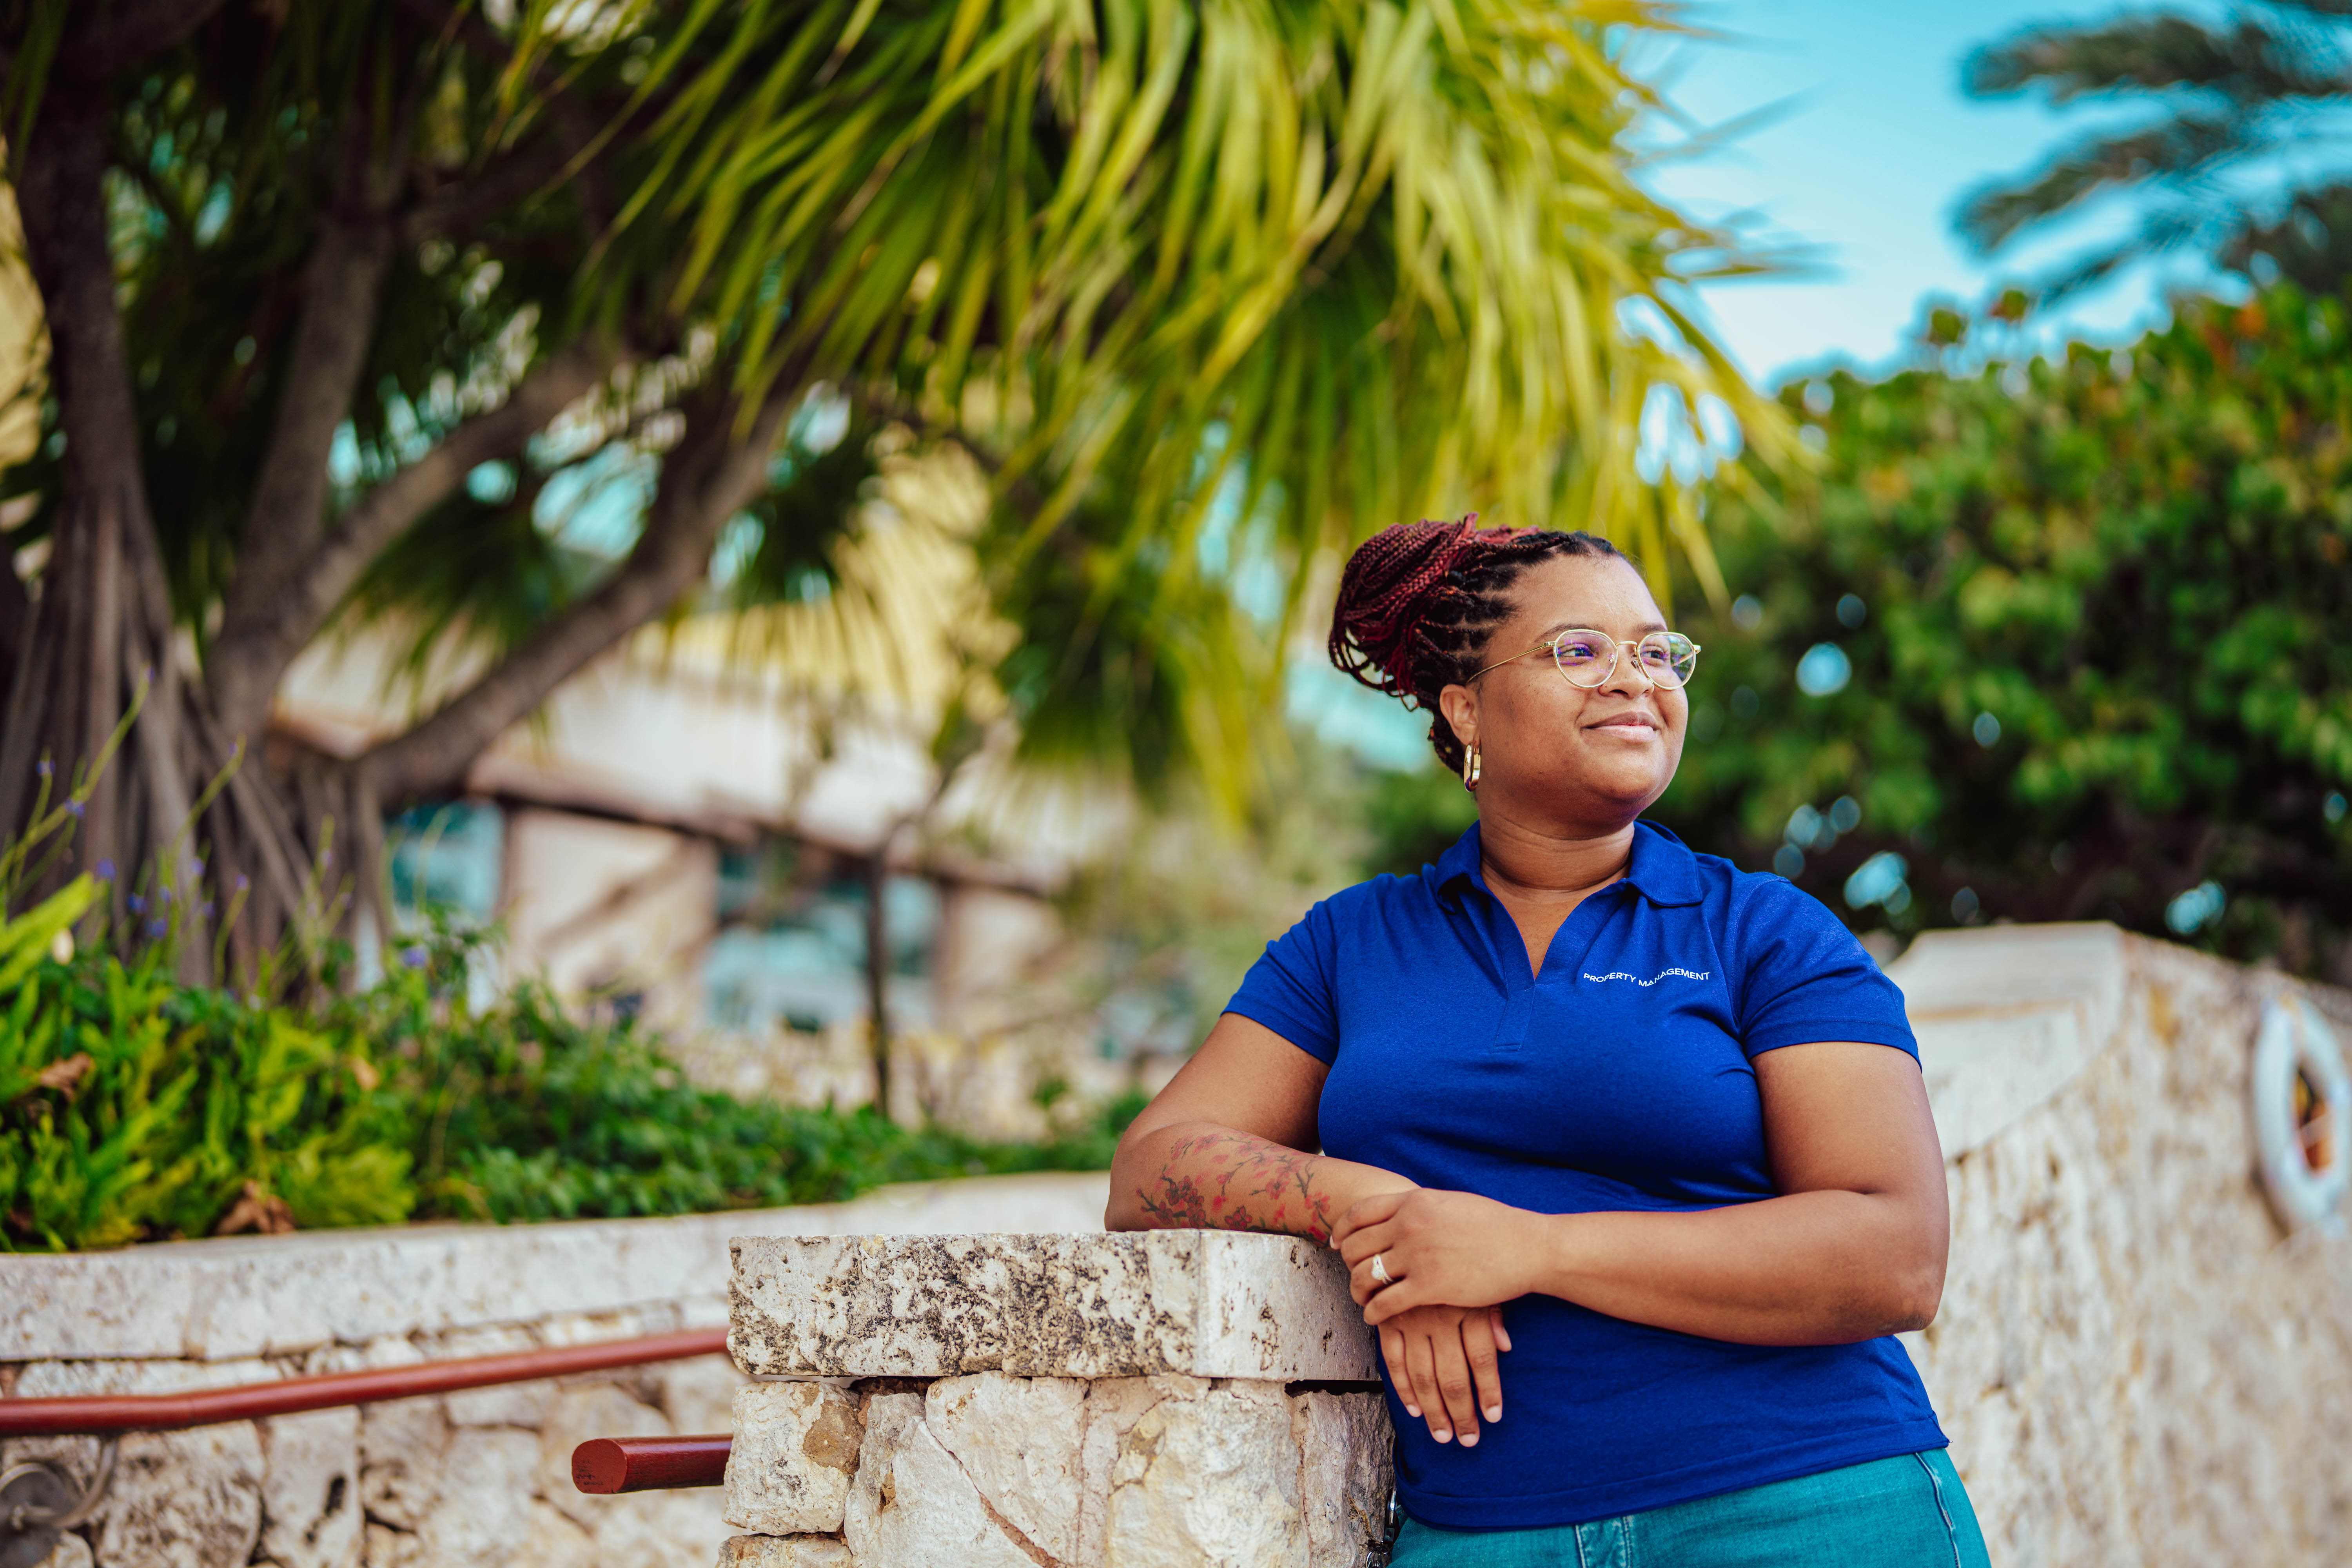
column 1290, row 988
column 1804, row 978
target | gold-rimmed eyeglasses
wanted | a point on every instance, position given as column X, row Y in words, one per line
column 1588, row 658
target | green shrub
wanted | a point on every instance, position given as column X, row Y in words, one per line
column 134, row 1107
column 401, row 1100
column 520, row 1113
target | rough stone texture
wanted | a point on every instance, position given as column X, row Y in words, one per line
column 784, row 1552
column 1208, row 1482
column 1018, row 1440
column 481, row 1513
column 2135, row 1366
column 698, row 1395
column 184, row 1499
column 402, row 1446
column 1345, row 1451
column 794, row 1451
column 310, row 1489
column 912, row 1506
column 1113, row 1405
column 253, row 1296
column 475, row 1480
column 1204, row 1303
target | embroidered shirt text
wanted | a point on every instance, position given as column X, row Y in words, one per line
column 1645, row 984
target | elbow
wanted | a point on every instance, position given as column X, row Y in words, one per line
column 1124, row 1211
column 1914, row 1294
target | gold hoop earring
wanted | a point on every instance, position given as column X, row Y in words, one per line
column 1470, row 769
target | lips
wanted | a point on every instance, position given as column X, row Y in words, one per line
column 1633, row 726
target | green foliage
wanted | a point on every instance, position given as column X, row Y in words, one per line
column 135, row 1108
column 2099, row 633
column 520, row 1113
column 1322, row 267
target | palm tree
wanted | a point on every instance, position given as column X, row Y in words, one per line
column 2232, row 110
column 340, row 292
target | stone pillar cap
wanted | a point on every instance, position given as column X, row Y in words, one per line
column 1206, row 1303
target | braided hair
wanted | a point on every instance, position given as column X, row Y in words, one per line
column 1418, row 601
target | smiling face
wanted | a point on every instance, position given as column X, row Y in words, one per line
column 1585, row 759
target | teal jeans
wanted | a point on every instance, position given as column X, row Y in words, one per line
column 1909, row 1511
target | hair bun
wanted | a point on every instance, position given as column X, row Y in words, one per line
column 1385, row 590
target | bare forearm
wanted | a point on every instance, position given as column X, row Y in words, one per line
column 1810, row 1269
column 1199, row 1174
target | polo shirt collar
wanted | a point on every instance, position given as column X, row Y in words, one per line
column 1662, row 869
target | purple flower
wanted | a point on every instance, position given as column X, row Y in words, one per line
column 413, row 956
column 243, row 883
column 208, row 909
column 106, row 870
column 195, row 867
column 326, row 857
column 138, row 905
column 156, row 927
column 73, row 809
column 43, row 768
column 163, row 896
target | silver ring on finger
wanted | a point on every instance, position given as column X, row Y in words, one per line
column 1380, row 1269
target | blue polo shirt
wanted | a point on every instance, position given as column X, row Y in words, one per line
column 1617, row 1078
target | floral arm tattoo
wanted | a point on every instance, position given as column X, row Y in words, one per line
column 1231, row 1181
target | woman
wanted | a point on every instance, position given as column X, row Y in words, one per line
column 1650, row 1127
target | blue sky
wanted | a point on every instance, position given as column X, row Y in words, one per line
column 1868, row 162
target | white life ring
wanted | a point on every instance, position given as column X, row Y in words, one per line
column 2302, row 1096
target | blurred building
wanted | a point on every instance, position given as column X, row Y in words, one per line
column 695, row 830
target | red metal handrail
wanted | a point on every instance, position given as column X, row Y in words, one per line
column 649, row 1464
column 94, row 1414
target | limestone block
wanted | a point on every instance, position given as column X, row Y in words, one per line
column 911, row 1505
column 402, row 1446
column 784, row 1552
column 554, row 1541
column 1208, row 1482
column 184, row 1499
column 482, row 1515
column 794, row 1451
column 1346, row 1449
column 579, row 1413
column 658, row 1530
column 1113, row 1405
column 1204, row 1303
column 1018, row 1439
column 310, row 1489
column 279, row 1295
column 698, row 1396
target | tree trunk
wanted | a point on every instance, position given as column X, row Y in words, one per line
column 877, row 970
column 99, row 643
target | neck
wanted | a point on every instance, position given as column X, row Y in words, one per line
column 1550, row 860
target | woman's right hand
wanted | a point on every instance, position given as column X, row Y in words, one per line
column 1441, row 1360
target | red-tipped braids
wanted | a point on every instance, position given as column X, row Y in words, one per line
column 1418, row 600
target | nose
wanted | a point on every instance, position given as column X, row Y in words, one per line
column 1626, row 669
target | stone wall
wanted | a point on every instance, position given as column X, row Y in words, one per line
column 1180, row 1399
column 475, row 1480
column 2135, row 1361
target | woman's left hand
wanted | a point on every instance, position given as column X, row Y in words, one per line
column 1437, row 1248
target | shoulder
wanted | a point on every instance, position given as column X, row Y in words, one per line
column 1380, row 900
column 1797, row 972
column 1758, row 904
